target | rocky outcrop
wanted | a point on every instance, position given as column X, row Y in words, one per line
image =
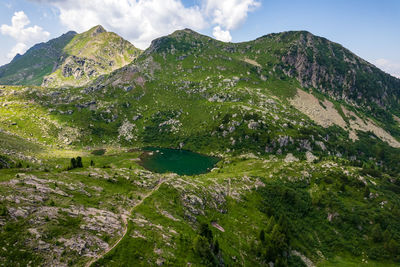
column 327, row 115
column 332, row 69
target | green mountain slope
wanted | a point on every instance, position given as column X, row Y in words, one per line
column 38, row 61
column 89, row 55
column 195, row 68
column 308, row 174
column 71, row 59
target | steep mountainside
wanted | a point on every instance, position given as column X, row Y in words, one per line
column 70, row 60
column 38, row 61
column 330, row 68
column 308, row 172
column 89, row 55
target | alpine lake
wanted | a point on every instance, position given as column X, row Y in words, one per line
column 181, row 162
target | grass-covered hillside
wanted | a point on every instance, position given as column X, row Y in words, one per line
column 305, row 178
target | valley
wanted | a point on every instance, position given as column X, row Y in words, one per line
column 280, row 150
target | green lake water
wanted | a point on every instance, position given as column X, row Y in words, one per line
column 182, row 162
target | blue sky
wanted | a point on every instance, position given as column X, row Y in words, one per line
column 369, row 28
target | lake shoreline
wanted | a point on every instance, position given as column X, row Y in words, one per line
column 179, row 161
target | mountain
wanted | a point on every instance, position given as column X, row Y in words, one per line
column 37, row 62
column 306, row 134
column 216, row 71
column 89, row 55
column 70, row 60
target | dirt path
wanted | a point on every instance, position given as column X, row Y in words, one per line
column 125, row 221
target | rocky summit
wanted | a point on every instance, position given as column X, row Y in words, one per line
column 300, row 135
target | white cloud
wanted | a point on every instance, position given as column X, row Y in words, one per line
column 221, row 35
column 389, row 66
column 25, row 36
column 228, row 14
column 141, row 21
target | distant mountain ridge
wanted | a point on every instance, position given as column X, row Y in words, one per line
column 38, row 61
column 71, row 59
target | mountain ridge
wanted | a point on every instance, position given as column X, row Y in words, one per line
column 86, row 63
column 35, row 63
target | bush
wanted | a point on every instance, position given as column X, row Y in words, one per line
column 393, row 247
column 3, row 211
column 206, row 232
column 366, row 192
column 294, row 260
column 73, row 163
column 262, row 236
column 376, row 233
column 5, row 163
column 202, row 247
column 79, row 162
column 76, row 163
column 99, row 152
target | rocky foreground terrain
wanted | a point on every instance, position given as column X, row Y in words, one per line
column 307, row 133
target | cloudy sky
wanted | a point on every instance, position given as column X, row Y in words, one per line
column 370, row 28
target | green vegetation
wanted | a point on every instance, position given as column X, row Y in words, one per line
column 77, row 163
column 286, row 189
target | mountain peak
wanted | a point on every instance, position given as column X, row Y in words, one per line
column 180, row 39
column 70, row 33
column 18, row 55
column 97, row 30
column 185, row 31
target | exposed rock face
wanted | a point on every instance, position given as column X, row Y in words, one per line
column 97, row 30
column 310, row 105
column 357, row 124
column 125, row 131
column 78, row 67
column 316, row 62
column 290, row 158
column 310, row 157
column 329, row 116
